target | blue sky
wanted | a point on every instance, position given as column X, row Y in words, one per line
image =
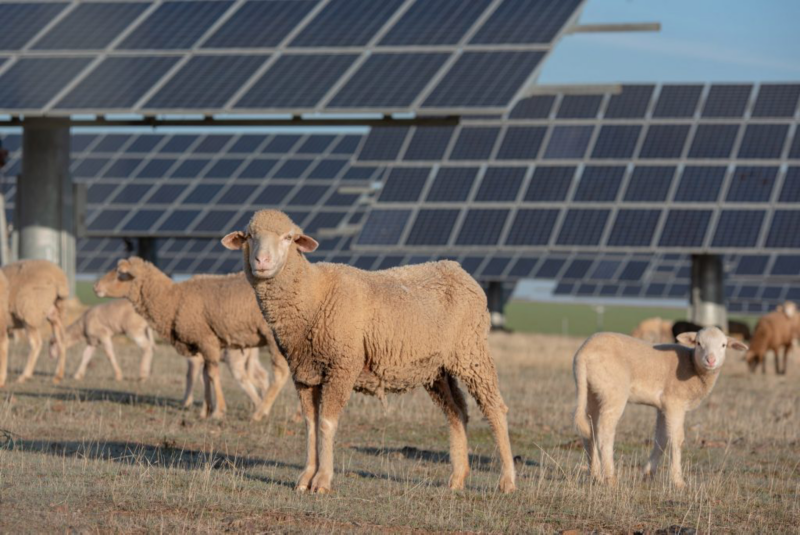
column 699, row 41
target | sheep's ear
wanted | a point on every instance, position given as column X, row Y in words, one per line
column 687, row 339
column 733, row 343
column 306, row 244
column 235, row 240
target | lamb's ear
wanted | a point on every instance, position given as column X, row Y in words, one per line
column 687, row 339
column 306, row 244
column 235, row 240
column 733, row 343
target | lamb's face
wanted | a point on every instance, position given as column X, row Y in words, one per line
column 270, row 239
column 117, row 282
column 710, row 345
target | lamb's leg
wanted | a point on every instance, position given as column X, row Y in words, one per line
column 659, row 445
column 442, row 394
column 3, row 357
column 590, row 444
column 108, row 348
column 606, row 428
column 237, row 364
column 675, row 419
column 280, row 370
column 35, row 341
column 309, row 403
column 54, row 317
column 88, row 352
column 143, row 342
column 193, row 367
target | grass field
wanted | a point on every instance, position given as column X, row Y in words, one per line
column 100, row 456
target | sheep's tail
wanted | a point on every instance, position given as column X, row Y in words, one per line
column 582, row 423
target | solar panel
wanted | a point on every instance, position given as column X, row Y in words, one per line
column 568, row 142
column 616, row 141
column 174, row 25
column 474, row 143
column 631, row 103
column 664, row 141
column 778, row 100
column 90, row 26
column 549, row 183
column 752, row 184
column 21, row 85
column 482, row 227
column 713, row 141
column 434, row 22
column 23, row 21
column 579, row 106
column 521, row 143
column 599, row 184
column 429, row 143
column 583, row 227
column 452, row 184
column 727, row 100
column 404, row 184
column 433, row 227
column 500, row 184
column 649, row 184
column 685, row 228
column 634, row 228
column 525, row 21
column 343, row 23
column 738, row 228
column 678, row 101
column 260, row 24
column 763, row 141
column 532, row 227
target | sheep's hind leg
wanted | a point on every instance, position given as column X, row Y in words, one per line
column 659, row 445
column 443, row 392
column 35, row 341
column 280, row 369
column 309, row 404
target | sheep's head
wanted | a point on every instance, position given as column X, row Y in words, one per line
column 709, row 347
column 118, row 282
column 267, row 243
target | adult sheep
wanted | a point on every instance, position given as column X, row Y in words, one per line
column 38, row 290
column 344, row 329
column 201, row 316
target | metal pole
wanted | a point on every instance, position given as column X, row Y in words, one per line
column 708, row 292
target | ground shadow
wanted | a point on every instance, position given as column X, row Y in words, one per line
column 414, row 454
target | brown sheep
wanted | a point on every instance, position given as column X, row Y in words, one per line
column 344, row 329
column 776, row 332
column 654, row 331
column 199, row 316
column 38, row 291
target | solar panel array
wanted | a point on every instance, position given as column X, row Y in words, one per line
column 689, row 168
column 273, row 56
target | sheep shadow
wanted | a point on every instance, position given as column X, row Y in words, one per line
column 99, row 394
column 480, row 462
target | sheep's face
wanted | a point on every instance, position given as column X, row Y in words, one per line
column 117, row 282
column 267, row 247
column 710, row 345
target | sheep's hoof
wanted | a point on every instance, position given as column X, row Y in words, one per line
column 507, row 485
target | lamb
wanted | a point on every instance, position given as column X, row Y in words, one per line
column 200, row 317
column 38, row 290
column 98, row 325
column 654, row 331
column 344, row 329
column 774, row 332
column 612, row 369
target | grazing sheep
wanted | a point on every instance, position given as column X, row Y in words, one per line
column 654, row 331
column 612, row 369
column 200, row 317
column 344, row 329
column 38, row 290
column 5, row 323
column 776, row 332
column 98, row 325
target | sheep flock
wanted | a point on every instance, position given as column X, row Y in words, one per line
column 334, row 330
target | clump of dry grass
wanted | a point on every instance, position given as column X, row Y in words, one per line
column 100, row 456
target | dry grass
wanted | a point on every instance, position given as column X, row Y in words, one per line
column 104, row 456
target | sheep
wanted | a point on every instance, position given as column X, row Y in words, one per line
column 612, row 369
column 345, row 329
column 654, row 330
column 774, row 332
column 38, row 290
column 200, row 317
column 97, row 325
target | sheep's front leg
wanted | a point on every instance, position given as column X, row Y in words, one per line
column 88, row 352
column 659, row 445
column 675, row 418
column 309, row 404
column 108, row 348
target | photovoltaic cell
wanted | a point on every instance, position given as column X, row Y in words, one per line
column 700, row 184
column 678, row 101
column 532, row 227
column 738, row 228
column 404, row 184
column 685, row 228
column 521, row 143
column 583, row 227
column 91, row 26
column 568, row 142
column 175, row 25
column 752, row 184
column 21, row 22
column 296, row 81
column 33, row 82
column 664, row 141
column 713, row 141
column 383, row 80
column 537, row 107
column 429, row 143
column 634, row 228
column 599, row 184
column 206, row 82
column 631, row 103
column 616, row 141
column 649, row 184
column 763, row 141
column 579, row 106
column 484, row 79
column 500, row 184
column 790, row 192
column 727, row 100
column 452, row 184
column 784, row 230
column 474, row 143
column 549, row 183
column 118, row 83
column 260, row 24
column 434, row 22
column 778, row 100
column 384, row 227
column 344, row 23
column 383, row 144
column 433, row 227
column 525, row 21
column 482, row 227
